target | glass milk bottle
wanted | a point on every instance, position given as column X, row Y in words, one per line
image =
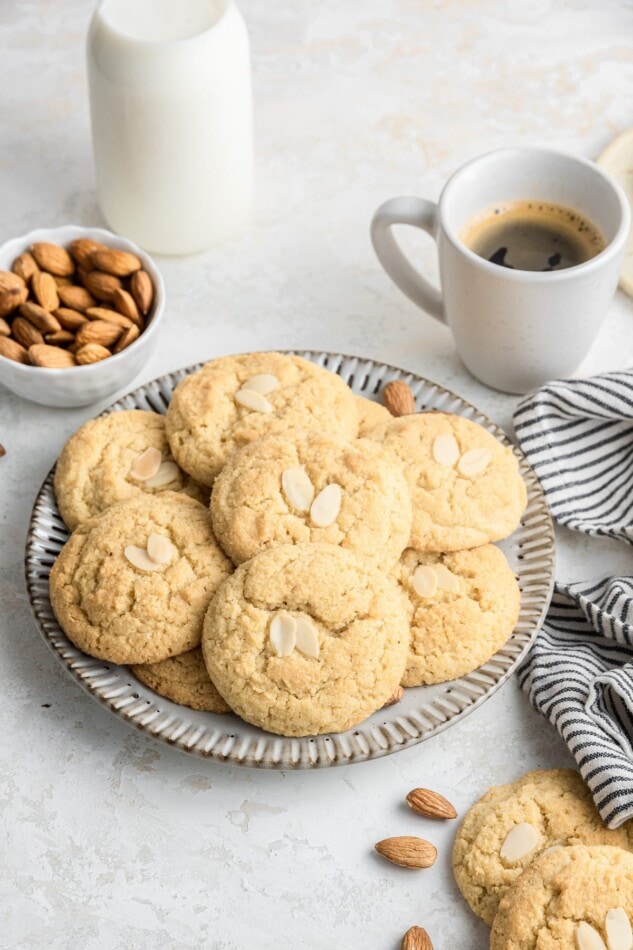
column 171, row 111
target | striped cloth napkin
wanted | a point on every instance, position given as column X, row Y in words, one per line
column 578, row 437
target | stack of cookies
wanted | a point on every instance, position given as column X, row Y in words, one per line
column 534, row 860
column 279, row 547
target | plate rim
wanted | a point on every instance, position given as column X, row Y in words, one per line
column 282, row 763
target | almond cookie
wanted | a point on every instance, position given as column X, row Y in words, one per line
column 183, row 679
column 513, row 824
column 234, row 400
column 311, row 487
column 115, row 457
column 465, row 485
column 306, row 639
column 465, row 606
column 132, row 584
column 370, row 415
column 578, row 898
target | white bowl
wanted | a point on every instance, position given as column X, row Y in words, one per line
column 82, row 385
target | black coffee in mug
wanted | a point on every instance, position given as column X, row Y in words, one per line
column 533, row 236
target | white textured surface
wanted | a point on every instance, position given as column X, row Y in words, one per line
column 110, row 841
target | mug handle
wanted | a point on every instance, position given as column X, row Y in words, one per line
column 421, row 214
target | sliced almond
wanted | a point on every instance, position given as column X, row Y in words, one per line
column 297, row 487
column 160, row 548
column 326, row 506
column 142, row 290
column 139, row 557
column 618, row 928
column 519, row 842
column 261, row 383
column 550, row 850
column 252, row 400
column 166, row 474
column 424, row 581
column 587, row 938
column 445, row 450
column 44, row 289
column 446, row 580
column 13, row 351
column 283, row 633
column 408, row 851
column 474, row 462
column 307, row 637
column 146, row 464
column 91, row 353
column 126, row 339
column 51, row 357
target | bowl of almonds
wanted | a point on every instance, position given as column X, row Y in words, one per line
column 79, row 314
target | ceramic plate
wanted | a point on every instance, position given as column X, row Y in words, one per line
column 423, row 712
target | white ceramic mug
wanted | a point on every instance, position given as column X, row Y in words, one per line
column 513, row 329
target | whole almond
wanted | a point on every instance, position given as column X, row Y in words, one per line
column 126, row 305
column 100, row 285
column 142, row 290
column 408, row 851
column 13, row 351
column 60, row 338
column 44, row 289
column 76, row 298
column 70, row 319
column 41, row 319
column 115, row 262
column 63, row 281
column 51, row 357
column 98, row 331
column 5, row 329
column 82, row 249
column 103, row 313
column 416, row 938
column 24, row 266
column 53, row 259
column 10, row 281
column 398, row 398
column 12, row 298
column 430, row 804
column 91, row 353
column 128, row 337
column 25, row 333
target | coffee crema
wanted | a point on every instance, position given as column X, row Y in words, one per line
column 533, row 236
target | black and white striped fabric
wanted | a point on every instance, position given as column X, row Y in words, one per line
column 578, row 436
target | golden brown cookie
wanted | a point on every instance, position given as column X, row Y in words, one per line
column 99, row 465
column 235, row 400
column 132, row 584
column 306, row 639
column 549, row 808
column 578, row 898
column 465, row 606
column 465, row 485
column 183, row 679
column 370, row 415
column 276, row 491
